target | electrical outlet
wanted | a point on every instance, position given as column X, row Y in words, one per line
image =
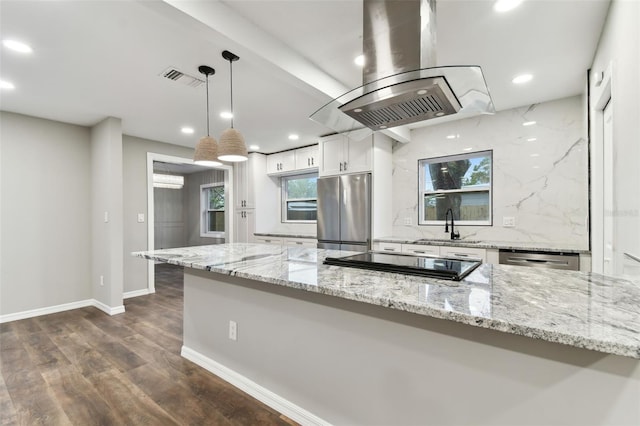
column 102, row 280
column 508, row 222
column 233, row 330
column 408, row 221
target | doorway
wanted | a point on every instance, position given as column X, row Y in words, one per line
column 175, row 201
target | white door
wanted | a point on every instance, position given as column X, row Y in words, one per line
column 609, row 249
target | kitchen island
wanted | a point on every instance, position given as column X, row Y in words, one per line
column 507, row 345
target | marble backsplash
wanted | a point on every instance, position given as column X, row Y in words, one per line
column 540, row 173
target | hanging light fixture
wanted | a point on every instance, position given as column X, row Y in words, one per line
column 232, row 147
column 207, row 148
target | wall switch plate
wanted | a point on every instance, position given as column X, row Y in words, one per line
column 140, row 217
column 102, row 280
column 106, row 217
column 508, row 222
column 233, row 330
column 408, row 221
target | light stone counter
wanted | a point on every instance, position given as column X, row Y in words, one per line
column 584, row 310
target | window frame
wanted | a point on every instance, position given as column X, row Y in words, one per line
column 422, row 192
column 283, row 197
column 204, row 210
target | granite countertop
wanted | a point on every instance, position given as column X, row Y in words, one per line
column 283, row 235
column 584, row 310
column 519, row 245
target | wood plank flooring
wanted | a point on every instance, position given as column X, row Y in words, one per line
column 83, row 367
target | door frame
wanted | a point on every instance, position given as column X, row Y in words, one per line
column 228, row 181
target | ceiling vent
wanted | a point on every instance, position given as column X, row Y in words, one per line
column 174, row 74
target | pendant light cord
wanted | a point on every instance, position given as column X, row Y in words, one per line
column 231, row 80
column 207, row 104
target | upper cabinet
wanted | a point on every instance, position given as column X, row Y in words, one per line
column 307, row 158
column 281, row 162
column 244, row 190
column 339, row 154
column 293, row 161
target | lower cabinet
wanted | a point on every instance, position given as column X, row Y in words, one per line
column 427, row 250
column 244, row 225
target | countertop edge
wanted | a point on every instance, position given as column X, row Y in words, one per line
column 599, row 345
column 284, row 235
column 484, row 245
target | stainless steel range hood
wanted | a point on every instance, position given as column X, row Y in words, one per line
column 401, row 82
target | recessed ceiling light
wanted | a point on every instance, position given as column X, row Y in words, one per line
column 187, row 130
column 468, row 149
column 528, row 123
column 254, row 147
column 506, row 5
column 532, row 139
column 359, row 60
column 456, row 136
column 535, row 155
column 522, row 78
column 536, row 167
column 17, row 46
column 226, row 114
column 293, row 137
column 6, row 85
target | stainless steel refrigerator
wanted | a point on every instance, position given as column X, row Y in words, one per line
column 344, row 212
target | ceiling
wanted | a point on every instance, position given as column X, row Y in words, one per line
column 94, row 59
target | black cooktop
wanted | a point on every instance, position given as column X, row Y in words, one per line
column 436, row 267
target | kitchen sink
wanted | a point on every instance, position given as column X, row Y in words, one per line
column 447, row 241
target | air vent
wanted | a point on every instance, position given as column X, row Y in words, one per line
column 178, row 76
column 404, row 103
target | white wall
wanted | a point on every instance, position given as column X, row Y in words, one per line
column 192, row 206
column 619, row 48
column 169, row 218
column 135, row 201
column 542, row 183
column 45, row 220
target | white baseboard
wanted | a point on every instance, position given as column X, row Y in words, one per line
column 136, row 293
column 250, row 387
column 108, row 309
column 61, row 308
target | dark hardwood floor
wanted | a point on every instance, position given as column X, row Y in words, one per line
column 83, row 367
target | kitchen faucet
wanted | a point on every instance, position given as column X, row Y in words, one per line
column 454, row 235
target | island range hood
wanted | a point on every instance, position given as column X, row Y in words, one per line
column 401, row 82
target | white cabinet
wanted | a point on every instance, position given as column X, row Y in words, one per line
column 243, row 178
column 420, row 250
column 307, row 158
column 339, row 154
column 301, row 242
column 388, row 247
column 268, row 240
column 244, row 226
column 463, row 252
column 281, row 162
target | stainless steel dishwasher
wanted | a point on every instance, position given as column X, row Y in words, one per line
column 540, row 259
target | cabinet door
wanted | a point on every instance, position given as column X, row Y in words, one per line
column 464, row 252
column 307, row 158
column 244, row 226
column 358, row 155
column 301, row 242
column 281, row 162
column 243, row 176
column 331, row 155
column 388, row 247
column 420, row 250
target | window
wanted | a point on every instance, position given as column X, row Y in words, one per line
column 300, row 198
column 461, row 183
column 212, row 206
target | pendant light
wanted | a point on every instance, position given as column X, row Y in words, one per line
column 232, row 147
column 207, row 148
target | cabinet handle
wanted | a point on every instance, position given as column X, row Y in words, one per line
column 308, row 161
column 313, row 161
column 340, row 166
column 345, row 166
column 299, row 243
column 389, row 249
column 419, row 251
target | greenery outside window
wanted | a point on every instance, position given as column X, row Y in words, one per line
column 212, row 222
column 300, row 198
column 461, row 183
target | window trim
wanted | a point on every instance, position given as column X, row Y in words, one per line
column 448, row 158
column 204, row 210
column 284, row 199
